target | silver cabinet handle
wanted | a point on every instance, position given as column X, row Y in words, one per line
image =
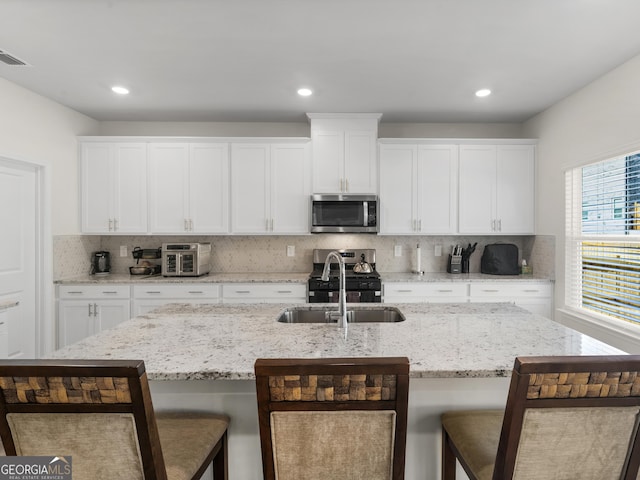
column 405, row 291
column 272, row 224
column 110, row 224
column 341, row 185
column 243, row 291
column 153, row 292
column 191, row 224
column 500, row 225
column 115, row 224
column 490, row 291
column 111, row 292
column 531, row 291
column 76, row 292
column 196, row 292
column 186, row 225
column 420, row 225
column 346, row 185
column 445, row 291
column 493, row 225
column 90, row 310
column 284, row 291
column 95, row 309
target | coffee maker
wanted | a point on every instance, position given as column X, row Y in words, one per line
column 100, row 263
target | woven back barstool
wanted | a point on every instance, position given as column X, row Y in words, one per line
column 565, row 418
column 333, row 418
column 100, row 414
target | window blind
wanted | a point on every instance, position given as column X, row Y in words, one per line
column 603, row 238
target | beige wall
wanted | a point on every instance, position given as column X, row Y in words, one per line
column 595, row 123
column 38, row 130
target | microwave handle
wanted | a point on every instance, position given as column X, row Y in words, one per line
column 365, row 212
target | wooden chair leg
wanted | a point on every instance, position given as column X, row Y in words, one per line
column 220, row 463
column 448, row 458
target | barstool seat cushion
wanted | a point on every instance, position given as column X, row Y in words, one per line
column 475, row 434
column 185, row 438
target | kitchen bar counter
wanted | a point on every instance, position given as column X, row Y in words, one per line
column 214, row 342
column 201, row 358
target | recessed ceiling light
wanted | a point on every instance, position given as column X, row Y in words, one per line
column 120, row 90
column 304, row 92
column 484, row 92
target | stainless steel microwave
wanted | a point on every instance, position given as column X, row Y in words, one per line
column 344, row 213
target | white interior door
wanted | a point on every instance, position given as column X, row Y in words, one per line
column 18, row 217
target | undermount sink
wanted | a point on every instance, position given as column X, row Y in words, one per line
column 354, row 315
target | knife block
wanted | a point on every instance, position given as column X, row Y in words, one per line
column 454, row 265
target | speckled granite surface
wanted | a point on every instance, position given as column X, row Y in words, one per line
column 7, row 304
column 246, row 277
column 189, row 342
column 460, row 277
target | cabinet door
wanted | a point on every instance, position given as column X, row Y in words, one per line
column 97, row 187
column 209, row 188
column 437, row 192
column 477, row 184
column 249, row 195
column 328, row 161
column 130, row 188
column 75, row 321
column 515, row 174
column 112, row 312
column 169, row 179
column 398, row 177
column 360, row 166
column 290, row 188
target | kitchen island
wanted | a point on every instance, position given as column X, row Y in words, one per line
column 461, row 355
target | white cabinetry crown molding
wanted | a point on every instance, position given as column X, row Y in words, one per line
column 460, row 141
column 170, row 139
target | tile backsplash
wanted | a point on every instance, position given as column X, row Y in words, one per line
column 231, row 254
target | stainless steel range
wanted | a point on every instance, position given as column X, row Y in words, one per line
column 361, row 285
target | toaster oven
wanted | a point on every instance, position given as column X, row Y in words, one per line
column 185, row 259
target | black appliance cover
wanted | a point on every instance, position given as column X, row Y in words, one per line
column 500, row 259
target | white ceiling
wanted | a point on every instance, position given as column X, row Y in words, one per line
column 243, row 60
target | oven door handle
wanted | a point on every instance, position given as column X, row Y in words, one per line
column 365, row 214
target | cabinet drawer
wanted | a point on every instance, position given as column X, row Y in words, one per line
column 78, row 292
column 263, row 290
column 513, row 289
column 186, row 291
column 446, row 289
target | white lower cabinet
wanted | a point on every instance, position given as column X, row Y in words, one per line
column 84, row 310
column 150, row 296
column 427, row 292
column 535, row 297
column 264, row 293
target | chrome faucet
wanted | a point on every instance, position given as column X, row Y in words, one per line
column 342, row 299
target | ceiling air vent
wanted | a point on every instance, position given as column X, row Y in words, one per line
column 10, row 59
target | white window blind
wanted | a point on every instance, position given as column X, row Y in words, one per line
column 603, row 238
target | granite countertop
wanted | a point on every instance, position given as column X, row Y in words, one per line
column 222, row 342
column 249, row 277
column 7, row 304
column 395, row 277
column 245, row 277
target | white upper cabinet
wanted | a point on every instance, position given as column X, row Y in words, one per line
column 114, row 187
column 270, row 188
column 189, row 188
column 344, row 153
column 496, row 186
column 418, row 189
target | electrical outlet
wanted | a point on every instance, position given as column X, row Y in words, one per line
column 291, row 251
column 438, row 251
column 123, row 250
column 397, row 250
